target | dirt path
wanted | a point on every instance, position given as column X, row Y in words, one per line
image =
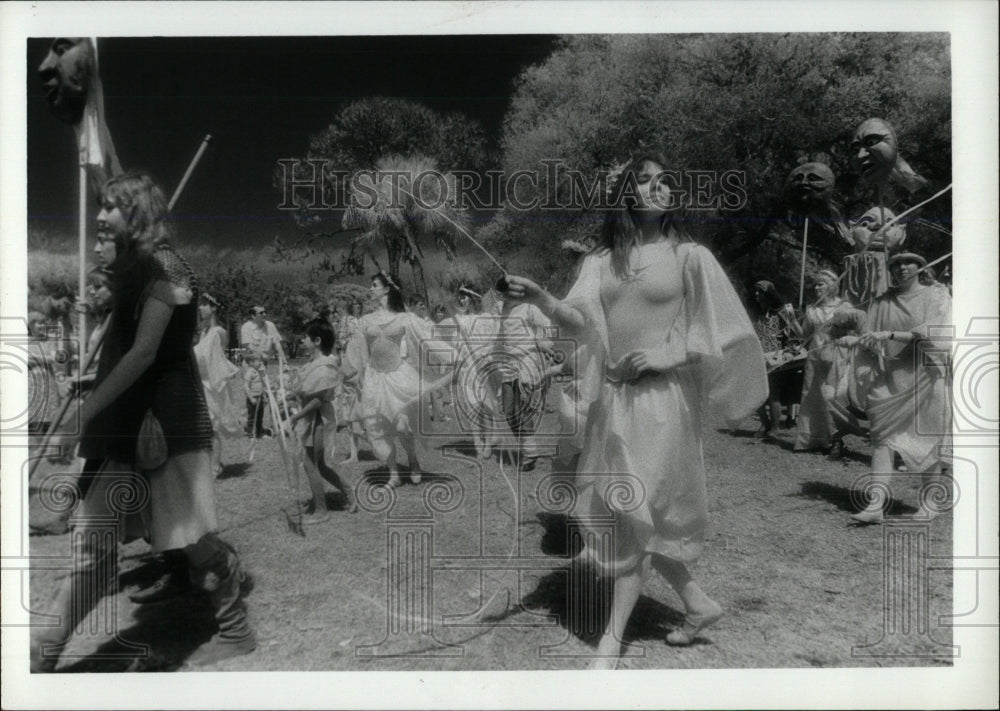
column 481, row 579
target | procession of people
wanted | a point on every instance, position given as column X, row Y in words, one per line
column 663, row 341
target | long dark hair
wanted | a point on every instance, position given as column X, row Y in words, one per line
column 620, row 231
column 218, row 310
column 396, row 304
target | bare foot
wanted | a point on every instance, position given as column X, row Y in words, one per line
column 603, row 663
column 871, row 515
column 693, row 624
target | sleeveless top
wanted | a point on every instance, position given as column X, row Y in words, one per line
column 171, row 386
column 384, row 342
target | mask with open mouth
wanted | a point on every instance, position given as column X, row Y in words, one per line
column 874, row 150
column 66, row 74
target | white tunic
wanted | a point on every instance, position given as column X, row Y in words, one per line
column 642, row 449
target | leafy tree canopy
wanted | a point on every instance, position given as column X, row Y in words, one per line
column 757, row 103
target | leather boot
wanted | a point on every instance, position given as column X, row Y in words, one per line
column 175, row 580
column 215, row 568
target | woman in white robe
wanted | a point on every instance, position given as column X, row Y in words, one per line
column 474, row 333
column 822, row 423
column 217, row 373
column 387, row 359
column 666, row 334
column 903, row 373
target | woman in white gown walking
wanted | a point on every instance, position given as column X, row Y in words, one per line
column 386, row 356
column 665, row 333
column 217, row 373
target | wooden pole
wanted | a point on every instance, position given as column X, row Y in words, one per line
column 82, row 257
column 885, row 236
column 802, row 272
column 187, row 173
column 84, row 365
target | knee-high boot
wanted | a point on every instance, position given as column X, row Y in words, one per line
column 215, row 568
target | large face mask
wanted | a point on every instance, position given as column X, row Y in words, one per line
column 810, row 186
column 65, row 73
column 874, row 150
column 865, row 227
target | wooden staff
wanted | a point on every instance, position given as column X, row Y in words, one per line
column 82, row 256
column 885, row 237
column 802, row 272
column 290, row 460
column 187, row 173
column 65, row 406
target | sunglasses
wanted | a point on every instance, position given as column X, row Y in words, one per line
column 259, row 313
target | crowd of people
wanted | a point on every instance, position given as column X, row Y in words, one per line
column 661, row 340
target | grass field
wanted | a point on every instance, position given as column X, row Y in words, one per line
column 483, row 581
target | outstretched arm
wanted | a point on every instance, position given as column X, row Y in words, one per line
column 524, row 289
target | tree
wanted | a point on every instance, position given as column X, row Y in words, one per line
column 406, row 202
column 393, row 133
column 758, row 104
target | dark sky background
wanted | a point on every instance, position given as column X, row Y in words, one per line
column 261, row 98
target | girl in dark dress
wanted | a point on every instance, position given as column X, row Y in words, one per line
column 147, row 368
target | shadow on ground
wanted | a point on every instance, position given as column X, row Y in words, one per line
column 844, row 499
column 235, row 471
column 580, row 599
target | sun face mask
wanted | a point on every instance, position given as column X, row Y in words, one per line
column 864, row 230
column 810, row 189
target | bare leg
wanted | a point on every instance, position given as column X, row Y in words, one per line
column 315, row 483
column 409, row 446
column 383, row 446
column 881, row 476
column 931, row 481
column 330, row 475
column 352, row 438
column 628, row 586
column 775, row 406
column 216, row 454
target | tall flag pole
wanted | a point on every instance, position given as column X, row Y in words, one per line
column 75, row 96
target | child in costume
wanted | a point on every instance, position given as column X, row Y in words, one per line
column 315, row 386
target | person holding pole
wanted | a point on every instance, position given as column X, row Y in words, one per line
column 906, row 354
column 148, row 372
column 820, row 425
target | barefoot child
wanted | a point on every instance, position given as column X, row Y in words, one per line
column 253, row 388
column 315, row 386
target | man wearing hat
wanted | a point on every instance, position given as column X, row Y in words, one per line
column 904, row 374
